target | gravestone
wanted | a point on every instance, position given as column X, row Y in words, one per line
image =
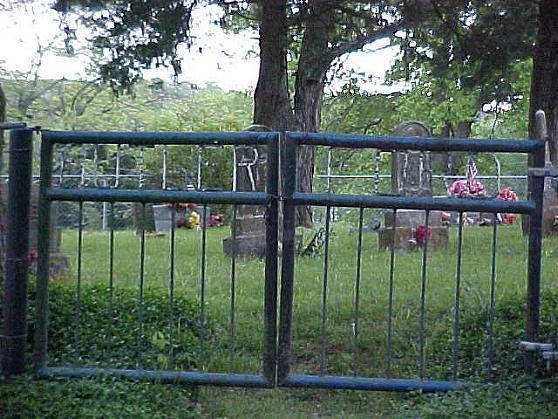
column 249, row 224
column 411, row 173
column 550, row 202
column 59, row 263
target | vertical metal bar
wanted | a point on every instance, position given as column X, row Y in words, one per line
column 323, row 331
column 202, row 284
column 535, row 246
column 456, row 307
column 200, row 168
column 492, row 307
column 139, row 345
column 111, row 277
column 77, row 330
column 271, row 261
column 62, row 166
column 142, row 168
column 171, row 288
column 14, row 332
column 43, row 245
column 235, row 167
column 104, row 211
column 232, row 330
column 356, row 315
column 117, row 167
column 288, row 262
column 164, row 177
column 422, row 319
column 96, row 165
column 390, row 295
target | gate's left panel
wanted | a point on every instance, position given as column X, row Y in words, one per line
column 157, row 257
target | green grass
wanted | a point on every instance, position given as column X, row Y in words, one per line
column 511, row 274
column 245, row 354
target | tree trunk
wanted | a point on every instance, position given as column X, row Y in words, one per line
column 314, row 61
column 272, row 105
column 544, row 83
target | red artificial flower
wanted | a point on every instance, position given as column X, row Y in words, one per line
column 32, row 257
column 422, row 232
column 508, row 218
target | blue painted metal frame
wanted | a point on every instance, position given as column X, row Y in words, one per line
column 269, row 199
column 277, row 343
column 292, row 198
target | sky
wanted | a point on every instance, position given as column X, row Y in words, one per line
column 227, row 60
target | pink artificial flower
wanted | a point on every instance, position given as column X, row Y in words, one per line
column 462, row 189
column 507, row 195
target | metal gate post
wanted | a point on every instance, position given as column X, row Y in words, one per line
column 287, row 268
column 43, row 244
column 270, row 292
column 535, row 245
column 14, row 335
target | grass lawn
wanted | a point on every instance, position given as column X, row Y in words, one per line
column 244, row 354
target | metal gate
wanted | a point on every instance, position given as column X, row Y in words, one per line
column 49, row 194
column 292, row 198
column 277, row 353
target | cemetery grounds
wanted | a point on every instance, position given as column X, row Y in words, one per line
column 245, row 354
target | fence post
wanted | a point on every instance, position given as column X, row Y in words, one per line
column 288, row 177
column 14, row 337
column 535, row 245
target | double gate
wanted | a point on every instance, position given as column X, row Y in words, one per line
column 277, row 306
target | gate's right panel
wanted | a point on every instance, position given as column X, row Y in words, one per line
column 397, row 291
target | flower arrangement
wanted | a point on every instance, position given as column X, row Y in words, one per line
column 216, row 220
column 183, row 205
column 463, row 188
column 506, row 194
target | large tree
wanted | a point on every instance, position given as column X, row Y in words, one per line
column 308, row 35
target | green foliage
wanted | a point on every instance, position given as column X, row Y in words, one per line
column 512, row 394
column 509, row 330
column 471, row 43
column 510, row 399
column 102, row 332
column 94, row 398
column 132, row 36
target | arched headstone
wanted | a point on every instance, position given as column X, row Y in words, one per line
column 411, row 169
column 411, row 176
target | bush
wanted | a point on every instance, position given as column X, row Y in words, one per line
column 95, row 398
column 511, row 395
column 105, row 334
column 509, row 330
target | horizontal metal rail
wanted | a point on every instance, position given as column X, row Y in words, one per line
column 456, row 177
column 167, row 377
column 364, row 383
column 412, row 202
column 156, row 195
column 416, row 143
column 159, row 138
column 543, row 171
